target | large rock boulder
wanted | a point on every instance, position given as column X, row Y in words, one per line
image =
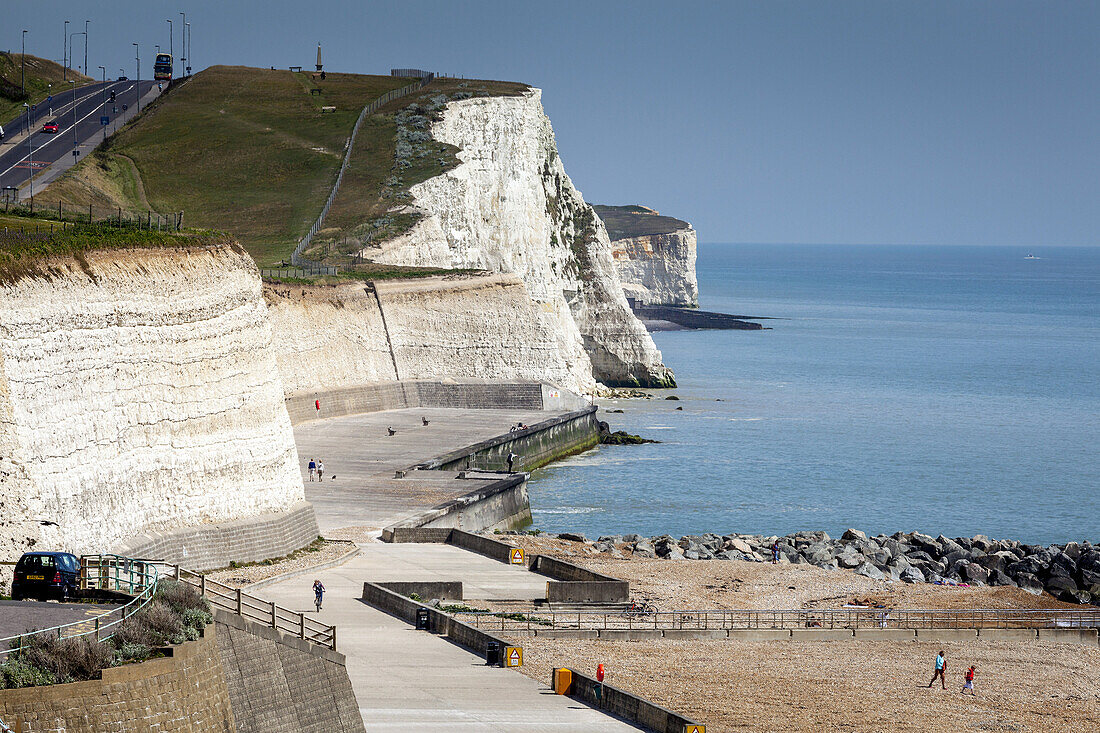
column 849, row 557
column 1029, row 583
column 853, row 535
column 911, row 574
column 868, row 570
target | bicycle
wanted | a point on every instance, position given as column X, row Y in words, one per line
column 638, row 609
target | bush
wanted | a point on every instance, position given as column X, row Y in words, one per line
column 15, row 673
column 181, row 597
column 130, row 652
column 67, row 660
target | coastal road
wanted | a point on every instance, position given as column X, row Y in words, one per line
column 26, row 150
column 18, row 617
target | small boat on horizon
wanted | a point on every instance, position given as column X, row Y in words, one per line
column 1032, row 257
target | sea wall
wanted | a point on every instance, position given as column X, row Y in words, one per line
column 658, row 269
column 138, row 393
column 510, row 207
column 182, row 693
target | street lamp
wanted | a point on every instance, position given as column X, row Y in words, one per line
column 171, row 47
column 65, row 49
column 137, row 84
column 187, row 27
column 86, row 46
column 76, row 143
column 103, row 99
column 23, row 68
column 183, row 44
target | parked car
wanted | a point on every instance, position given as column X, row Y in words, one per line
column 50, row 127
column 46, row 575
column 123, row 78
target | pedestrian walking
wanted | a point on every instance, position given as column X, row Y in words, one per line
column 775, row 552
column 318, row 594
column 312, row 470
column 317, row 404
column 320, row 470
column 969, row 681
column 511, row 461
column 941, row 669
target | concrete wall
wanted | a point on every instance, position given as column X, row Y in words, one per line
column 449, row 590
column 205, row 547
column 574, row 584
column 625, row 705
column 281, row 684
column 184, row 693
column 501, row 504
column 535, row 445
column 467, row 394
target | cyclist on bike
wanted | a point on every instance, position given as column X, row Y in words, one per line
column 318, row 594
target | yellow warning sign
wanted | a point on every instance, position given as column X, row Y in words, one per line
column 695, row 729
column 516, row 557
column 513, row 656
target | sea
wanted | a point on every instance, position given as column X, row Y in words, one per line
column 945, row 389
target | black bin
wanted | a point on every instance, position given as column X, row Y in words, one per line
column 422, row 620
column 492, row 654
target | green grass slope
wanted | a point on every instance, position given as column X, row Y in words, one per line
column 41, row 73
column 238, row 149
column 623, row 222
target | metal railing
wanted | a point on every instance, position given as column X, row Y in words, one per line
column 234, row 600
column 834, row 618
column 136, row 578
column 296, row 257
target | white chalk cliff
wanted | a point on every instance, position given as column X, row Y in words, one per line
column 658, row 269
column 335, row 336
column 509, row 207
column 138, row 391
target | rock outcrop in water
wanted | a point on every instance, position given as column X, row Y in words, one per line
column 1069, row 572
column 510, row 207
column 654, row 255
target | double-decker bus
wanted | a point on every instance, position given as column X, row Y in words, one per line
column 162, row 67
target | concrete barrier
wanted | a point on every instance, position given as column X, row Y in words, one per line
column 487, row 546
column 760, row 634
column 567, row 633
column 821, row 634
column 626, row 705
column 450, row 590
column 696, row 634
column 886, row 634
column 500, row 504
column 1008, row 634
column 574, row 584
column 947, row 634
column 1087, row 637
column 629, row 634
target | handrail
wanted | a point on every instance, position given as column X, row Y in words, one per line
column 843, row 618
column 130, row 576
column 236, row 601
column 296, row 257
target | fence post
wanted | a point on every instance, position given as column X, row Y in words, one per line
column 239, row 606
column 301, row 626
column 202, row 585
column 274, row 617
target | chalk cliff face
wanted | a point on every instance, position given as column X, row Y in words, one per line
column 484, row 327
column 138, row 391
column 510, row 207
column 654, row 255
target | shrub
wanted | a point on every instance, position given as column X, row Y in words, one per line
column 16, row 673
column 129, row 652
column 180, row 597
column 78, row 658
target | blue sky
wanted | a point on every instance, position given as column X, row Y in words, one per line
column 773, row 121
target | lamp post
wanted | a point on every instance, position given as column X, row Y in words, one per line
column 103, row 99
column 137, row 84
column 23, row 66
column 65, row 49
column 75, row 33
column 86, row 46
column 187, row 27
column 183, row 43
column 172, row 47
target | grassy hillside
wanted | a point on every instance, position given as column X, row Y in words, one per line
column 636, row 221
column 393, row 152
column 40, row 74
column 238, row 149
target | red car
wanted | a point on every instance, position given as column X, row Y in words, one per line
column 50, row 127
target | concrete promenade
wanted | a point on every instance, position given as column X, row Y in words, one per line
column 360, row 459
column 407, row 680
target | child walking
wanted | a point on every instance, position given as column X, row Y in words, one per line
column 969, row 681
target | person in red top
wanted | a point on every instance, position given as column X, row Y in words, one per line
column 969, row 681
column 317, row 404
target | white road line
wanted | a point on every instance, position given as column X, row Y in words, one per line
column 60, row 132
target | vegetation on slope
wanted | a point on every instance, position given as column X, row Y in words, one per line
column 243, row 150
column 393, row 152
column 623, row 222
column 40, row 74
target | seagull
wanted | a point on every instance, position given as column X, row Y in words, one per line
column 391, row 431
column 425, row 420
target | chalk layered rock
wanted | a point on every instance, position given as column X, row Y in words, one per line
column 510, row 207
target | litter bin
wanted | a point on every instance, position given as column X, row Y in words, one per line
column 492, row 654
column 422, row 622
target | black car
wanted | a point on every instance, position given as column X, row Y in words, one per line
column 46, row 575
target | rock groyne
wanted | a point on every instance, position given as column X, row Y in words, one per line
column 1069, row 572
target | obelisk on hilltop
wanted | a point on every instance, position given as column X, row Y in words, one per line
column 319, row 56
